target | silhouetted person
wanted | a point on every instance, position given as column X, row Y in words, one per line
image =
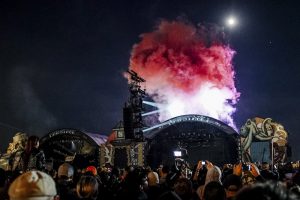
column 265, row 190
column 87, row 188
column 214, row 191
column 267, row 174
column 32, row 157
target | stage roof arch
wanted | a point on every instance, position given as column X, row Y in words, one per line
column 204, row 138
column 151, row 132
column 79, row 147
column 93, row 138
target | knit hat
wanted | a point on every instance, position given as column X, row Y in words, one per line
column 32, row 185
column 65, row 169
column 91, row 169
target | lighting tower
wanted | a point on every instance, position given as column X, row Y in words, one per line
column 132, row 112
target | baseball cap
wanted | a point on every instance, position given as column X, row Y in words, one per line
column 32, row 185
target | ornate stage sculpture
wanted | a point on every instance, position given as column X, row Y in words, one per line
column 257, row 130
column 11, row 158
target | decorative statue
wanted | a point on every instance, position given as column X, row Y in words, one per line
column 11, row 158
column 258, row 129
column 18, row 143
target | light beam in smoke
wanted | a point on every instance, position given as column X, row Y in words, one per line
column 150, row 103
column 188, row 70
column 150, row 113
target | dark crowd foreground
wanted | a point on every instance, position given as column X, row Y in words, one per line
column 30, row 179
column 204, row 181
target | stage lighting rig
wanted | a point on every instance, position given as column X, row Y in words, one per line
column 132, row 112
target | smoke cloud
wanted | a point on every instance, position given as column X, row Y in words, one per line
column 26, row 104
column 188, row 70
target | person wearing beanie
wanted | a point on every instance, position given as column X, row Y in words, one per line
column 65, row 171
column 92, row 170
column 65, row 184
column 33, row 185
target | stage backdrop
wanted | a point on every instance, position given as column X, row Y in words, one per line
column 203, row 137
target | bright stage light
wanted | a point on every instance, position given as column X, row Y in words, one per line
column 231, row 21
column 176, row 107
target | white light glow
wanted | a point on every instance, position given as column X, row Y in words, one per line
column 231, row 21
column 176, row 108
column 209, row 100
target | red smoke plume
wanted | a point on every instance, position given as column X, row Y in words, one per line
column 187, row 67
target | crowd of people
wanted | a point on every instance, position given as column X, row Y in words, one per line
column 30, row 180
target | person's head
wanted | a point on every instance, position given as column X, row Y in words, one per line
column 148, row 169
column 153, row 178
column 136, row 180
column 248, row 178
column 265, row 166
column 87, row 187
column 65, row 171
column 232, row 184
column 202, row 175
column 214, row 191
column 267, row 190
column 183, row 188
column 32, row 185
column 32, row 142
column 165, row 169
column 213, row 174
column 92, row 170
column 170, row 195
column 115, row 171
column 295, row 189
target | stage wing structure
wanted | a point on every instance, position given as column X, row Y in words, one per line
column 70, row 145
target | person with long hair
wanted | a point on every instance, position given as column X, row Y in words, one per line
column 87, row 187
column 33, row 157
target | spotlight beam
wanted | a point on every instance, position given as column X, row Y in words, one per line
column 150, row 113
column 151, row 103
column 153, row 127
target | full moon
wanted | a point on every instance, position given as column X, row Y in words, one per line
column 231, row 21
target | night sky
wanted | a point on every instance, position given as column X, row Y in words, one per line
column 61, row 62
